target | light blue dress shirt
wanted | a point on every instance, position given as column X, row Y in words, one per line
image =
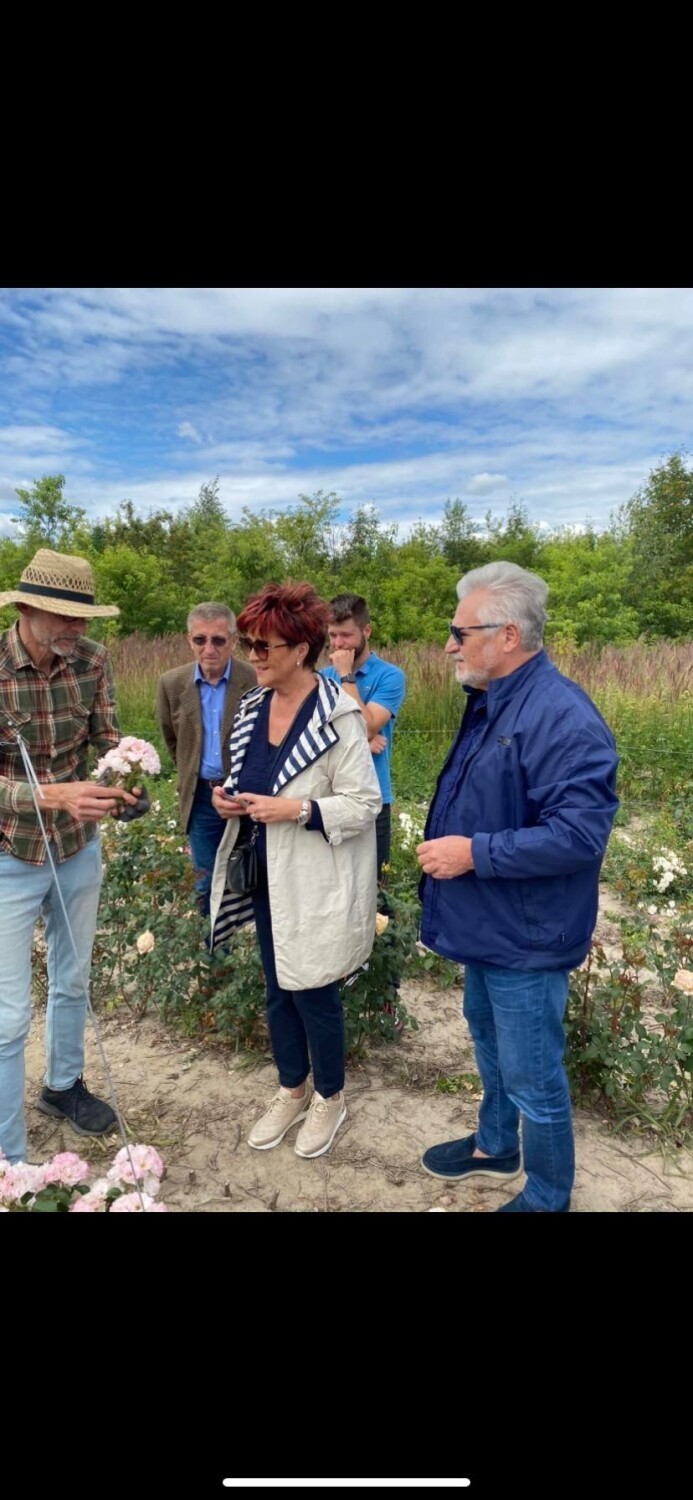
column 212, row 699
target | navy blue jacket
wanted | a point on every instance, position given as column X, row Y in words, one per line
column 533, row 785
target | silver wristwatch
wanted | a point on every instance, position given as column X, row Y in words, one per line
column 304, row 813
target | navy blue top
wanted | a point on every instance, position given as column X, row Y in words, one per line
column 260, row 765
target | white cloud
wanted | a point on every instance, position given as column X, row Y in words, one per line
column 485, row 484
column 562, row 398
column 34, row 439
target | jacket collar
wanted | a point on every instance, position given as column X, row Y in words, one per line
column 500, row 689
column 199, row 676
column 331, row 704
column 318, row 736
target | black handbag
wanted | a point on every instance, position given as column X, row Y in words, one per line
column 241, row 870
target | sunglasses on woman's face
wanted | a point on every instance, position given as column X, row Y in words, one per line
column 261, row 648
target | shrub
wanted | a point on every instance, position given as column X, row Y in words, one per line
column 629, row 1026
column 151, row 950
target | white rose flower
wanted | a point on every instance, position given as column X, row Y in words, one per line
column 145, row 942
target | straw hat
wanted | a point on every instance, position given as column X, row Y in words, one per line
column 63, row 585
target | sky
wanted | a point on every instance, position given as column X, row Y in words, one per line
column 562, row 399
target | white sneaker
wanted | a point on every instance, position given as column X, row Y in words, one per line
column 284, row 1111
column 324, row 1119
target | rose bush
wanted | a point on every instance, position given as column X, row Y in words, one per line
column 62, row 1184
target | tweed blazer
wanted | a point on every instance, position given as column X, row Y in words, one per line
column 179, row 713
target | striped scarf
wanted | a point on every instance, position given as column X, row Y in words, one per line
column 317, row 737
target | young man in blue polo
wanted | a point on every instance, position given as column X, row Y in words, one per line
column 376, row 685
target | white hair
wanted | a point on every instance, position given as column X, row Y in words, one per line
column 514, row 597
column 210, row 612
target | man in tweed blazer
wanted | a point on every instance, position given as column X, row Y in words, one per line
column 195, row 707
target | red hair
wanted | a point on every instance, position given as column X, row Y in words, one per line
column 293, row 610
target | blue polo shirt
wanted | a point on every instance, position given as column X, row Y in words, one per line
column 379, row 681
column 212, row 699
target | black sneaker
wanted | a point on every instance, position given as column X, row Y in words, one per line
column 83, row 1111
column 454, row 1160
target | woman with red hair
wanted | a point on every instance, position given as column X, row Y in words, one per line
column 302, row 785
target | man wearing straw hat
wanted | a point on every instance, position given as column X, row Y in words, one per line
column 56, row 700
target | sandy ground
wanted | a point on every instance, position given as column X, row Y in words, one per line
column 196, row 1106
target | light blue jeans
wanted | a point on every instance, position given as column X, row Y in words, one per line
column 27, row 891
column 515, row 1017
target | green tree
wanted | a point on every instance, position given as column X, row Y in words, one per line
column 142, row 588
column 148, row 533
column 414, row 602
column 198, row 543
column 659, row 523
column 249, row 555
column 364, row 539
column 514, row 539
column 461, row 542
column 310, row 538
column 368, row 556
column 587, row 576
column 47, row 519
column 207, row 514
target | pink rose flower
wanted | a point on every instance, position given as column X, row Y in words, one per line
column 130, row 1204
column 149, row 1168
column 66, row 1168
column 20, row 1179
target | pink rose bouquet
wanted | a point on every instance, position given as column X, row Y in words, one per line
column 126, row 766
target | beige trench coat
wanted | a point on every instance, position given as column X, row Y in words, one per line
column 322, row 890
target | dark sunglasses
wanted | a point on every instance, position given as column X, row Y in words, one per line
column 261, row 648
column 214, row 640
column 458, row 632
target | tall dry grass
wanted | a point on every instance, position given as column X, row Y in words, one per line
column 138, row 662
column 645, row 693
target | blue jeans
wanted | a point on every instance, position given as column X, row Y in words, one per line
column 205, row 831
column 516, row 1022
column 305, row 1025
column 25, row 892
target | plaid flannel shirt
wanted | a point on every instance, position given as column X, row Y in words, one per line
column 59, row 713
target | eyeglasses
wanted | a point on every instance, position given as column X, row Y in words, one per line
column 458, row 632
column 261, row 648
column 214, row 640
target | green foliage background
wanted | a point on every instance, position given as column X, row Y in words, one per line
column 632, row 581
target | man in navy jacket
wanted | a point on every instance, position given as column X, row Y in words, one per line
column 512, row 850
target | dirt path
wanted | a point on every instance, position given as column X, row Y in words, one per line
column 196, row 1106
